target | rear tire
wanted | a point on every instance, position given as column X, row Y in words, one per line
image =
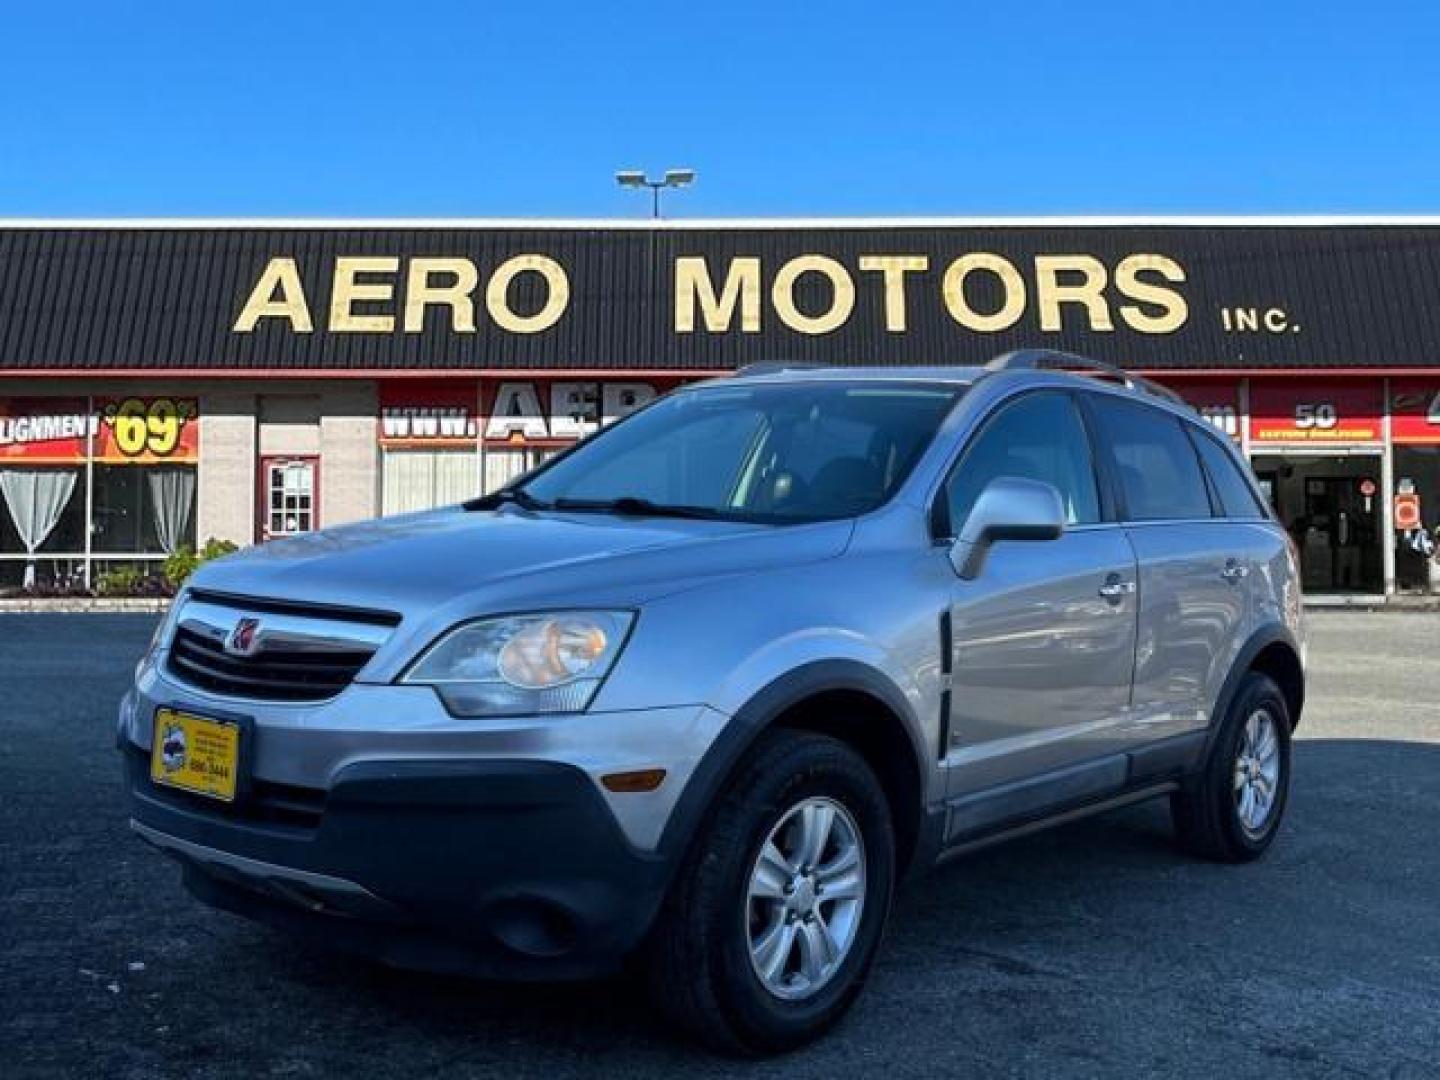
column 1233, row 810
column 762, row 894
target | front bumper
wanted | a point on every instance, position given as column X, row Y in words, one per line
column 509, row 869
column 376, row 822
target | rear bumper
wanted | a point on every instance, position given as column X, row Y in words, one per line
column 507, row 869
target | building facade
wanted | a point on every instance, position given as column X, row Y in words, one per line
column 162, row 383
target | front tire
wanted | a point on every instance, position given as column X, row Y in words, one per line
column 779, row 908
column 1235, row 806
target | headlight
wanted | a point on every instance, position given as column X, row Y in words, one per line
column 523, row 664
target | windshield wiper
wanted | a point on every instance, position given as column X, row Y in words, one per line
column 637, row 507
column 496, row 499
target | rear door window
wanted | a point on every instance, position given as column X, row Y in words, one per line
column 1157, row 469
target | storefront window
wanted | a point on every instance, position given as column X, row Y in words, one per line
column 1318, row 452
column 423, row 479
column 127, row 462
column 1335, row 525
column 504, row 465
column 45, row 574
column 1417, row 483
column 144, row 509
column 44, row 514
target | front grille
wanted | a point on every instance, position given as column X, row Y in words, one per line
column 273, row 673
column 264, row 802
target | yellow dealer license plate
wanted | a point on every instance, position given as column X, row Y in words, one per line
column 195, row 754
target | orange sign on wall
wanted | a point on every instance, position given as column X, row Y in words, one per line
column 1315, row 412
column 132, row 430
column 1407, row 511
column 140, row 431
column 1415, row 411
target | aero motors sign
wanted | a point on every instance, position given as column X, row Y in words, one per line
column 810, row 293
column 531, row 298
column 1316, row 412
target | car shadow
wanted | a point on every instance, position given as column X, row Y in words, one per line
column 1052, row 954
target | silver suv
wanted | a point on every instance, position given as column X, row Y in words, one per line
column 699, row 691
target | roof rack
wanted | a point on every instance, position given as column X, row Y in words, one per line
column 1056, row 360
column 777, row 367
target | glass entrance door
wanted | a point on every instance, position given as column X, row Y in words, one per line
column 1336, row 525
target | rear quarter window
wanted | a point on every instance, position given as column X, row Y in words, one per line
column 1237, row 497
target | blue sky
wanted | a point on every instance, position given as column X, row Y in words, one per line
column 401, row 109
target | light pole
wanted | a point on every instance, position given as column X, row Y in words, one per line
column 673, row 178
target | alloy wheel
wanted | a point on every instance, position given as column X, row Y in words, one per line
column 1257, row 773
column 805, row 898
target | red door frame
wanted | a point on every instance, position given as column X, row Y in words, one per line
column 262, row 503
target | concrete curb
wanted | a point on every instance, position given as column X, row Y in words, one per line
column 84, row 605
column 1398, row 604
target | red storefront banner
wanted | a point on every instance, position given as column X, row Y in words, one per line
column 133, row 430
column 1310, row 411
column 420, row 414
column 1415, row 411
column 430, row 414
column 45, row 431
column 1216, row 400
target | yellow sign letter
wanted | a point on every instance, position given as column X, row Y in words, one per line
column 741, row 288
column 497, row 294
column 420, row 293
column 346, row 292
column 280, row 276
column 895, row 267
column 842, row 294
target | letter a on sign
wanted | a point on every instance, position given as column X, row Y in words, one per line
column 279, row 295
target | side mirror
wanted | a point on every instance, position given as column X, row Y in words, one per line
column 1008, row 509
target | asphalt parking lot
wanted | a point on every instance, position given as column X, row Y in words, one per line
column 1094, row 950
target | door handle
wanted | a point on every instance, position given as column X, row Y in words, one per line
column 1115, row 590
column 1234, row 571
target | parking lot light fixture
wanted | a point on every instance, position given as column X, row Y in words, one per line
column 673, row 178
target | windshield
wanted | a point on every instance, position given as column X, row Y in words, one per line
column 777, row 453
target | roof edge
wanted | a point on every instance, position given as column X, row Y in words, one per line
column 682, row 224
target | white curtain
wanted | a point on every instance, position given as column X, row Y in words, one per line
column 172, row 494
column 36, row 498
column 422, row 479
column 502, row 466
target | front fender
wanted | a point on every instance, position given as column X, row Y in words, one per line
column 758, row 712
column 779, row 662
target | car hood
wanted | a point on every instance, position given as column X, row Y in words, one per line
column 476, row 561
